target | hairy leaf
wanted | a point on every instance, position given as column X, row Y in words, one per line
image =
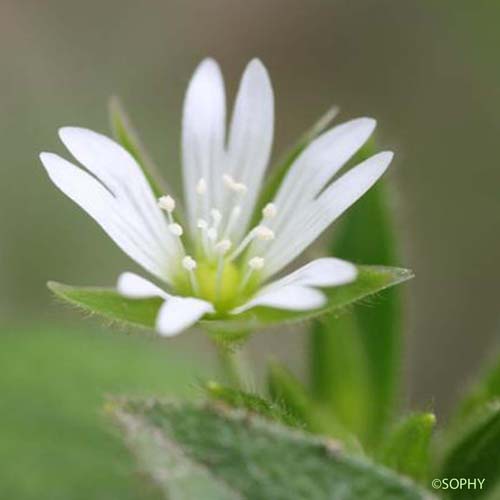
column 252, row 403
column 213, row 453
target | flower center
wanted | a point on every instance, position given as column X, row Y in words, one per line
column 222, row 273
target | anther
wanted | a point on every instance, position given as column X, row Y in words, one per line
column 230, row 183
column 188, row 263
column 201, row 186
column 202, row 224
column 176, row 229
column 264, row 233
column 167, row 203
column 223, row 246
column 256, row 263
column 269, row 211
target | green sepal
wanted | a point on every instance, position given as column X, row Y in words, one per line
column 125, row 133
column 142, row 312
column 406, row 448
column 212, row 452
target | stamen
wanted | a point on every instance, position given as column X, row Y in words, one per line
column 189, row 264
column 223, row 246
column 216, row 216
column 203, row 226
column 233, row 217
column 167, row 203
column 230, row 183
column 264, row 233
column 201, row 186
column 269, row 211
column 176, row 229
column 254, row 264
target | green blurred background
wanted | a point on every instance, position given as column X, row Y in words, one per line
column 429, row 72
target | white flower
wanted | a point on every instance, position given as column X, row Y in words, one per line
column 217, row 265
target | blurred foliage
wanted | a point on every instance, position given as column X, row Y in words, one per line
column 473, row 451
column 485, row 389
column 355, row 359
column 252, row 403
column 407, row 448
column 54, row 440
column 125, row 134
column 223, row 454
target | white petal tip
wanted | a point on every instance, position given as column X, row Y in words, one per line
column 257, row 64
column 67, row 131
column 179, row 313
column 208, row 66
column 384, row 158
column 45, row 156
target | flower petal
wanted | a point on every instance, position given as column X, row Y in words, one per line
column 324, row 272
column 133, row 286
column 203, row 135
column 290, row 297
column 250, row 138
column 179, row 313
column 317, row 164
column 105, row 209
column 313, row 219
column 121, row 174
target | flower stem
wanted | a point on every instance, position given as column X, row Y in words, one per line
column 234, row 367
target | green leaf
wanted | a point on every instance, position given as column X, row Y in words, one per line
column 340, row 375
column 291, row 394
column 251, row 403
column 142, row 312
column 213, row 453
column 483, row 391
column 355, row 361
column 406, row 449
column 125, row 133
column 474, row 452
column 278, row 172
